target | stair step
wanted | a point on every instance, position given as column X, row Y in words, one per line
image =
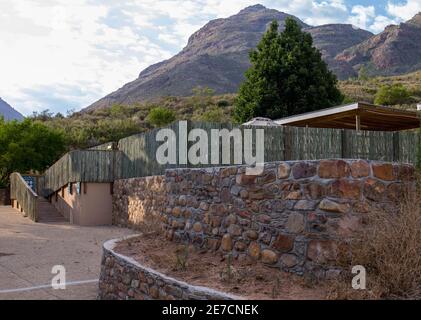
column 48, row 213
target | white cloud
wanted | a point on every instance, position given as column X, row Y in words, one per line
column 381, row 22
column 404, row 11
column 56, row 53
column 318, row 12
column 61, row 45
column 362, row 16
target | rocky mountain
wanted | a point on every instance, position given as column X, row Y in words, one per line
column 8, row 112
column 217, row 55
column 395, row 51
column 333, row 39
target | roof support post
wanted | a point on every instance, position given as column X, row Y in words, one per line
column 357, row 122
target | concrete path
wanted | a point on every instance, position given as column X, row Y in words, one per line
column 28, row 252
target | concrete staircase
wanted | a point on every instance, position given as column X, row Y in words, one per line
column 47, row 212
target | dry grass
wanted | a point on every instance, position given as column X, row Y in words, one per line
column 389, row 247
column 242, row 277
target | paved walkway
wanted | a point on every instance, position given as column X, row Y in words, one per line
column 28, row 252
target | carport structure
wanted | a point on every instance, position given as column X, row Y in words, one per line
column 356, row 116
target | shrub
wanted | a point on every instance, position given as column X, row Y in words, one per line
column 222, row 103
column 160, row 117
column 214, row 115
column 363, row 74
column 389, row 248
column 392, row 95
column 348, row 100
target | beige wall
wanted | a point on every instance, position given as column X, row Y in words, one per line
column 92, row 208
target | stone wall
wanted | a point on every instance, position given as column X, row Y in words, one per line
column 122, row 278
column 4, row 197
column 138, row 199
column 296, row 215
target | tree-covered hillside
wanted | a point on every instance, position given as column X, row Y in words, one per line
column 82, row 130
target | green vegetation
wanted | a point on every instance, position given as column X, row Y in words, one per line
column 87, row 129
column 202, row 96
column 94, row 127
column 27, row 146
column 392, row 94
column 160, row 117
column 215, row 114
column 358, row 90
column 363, row 74
column 83, row 130
column 287, row 76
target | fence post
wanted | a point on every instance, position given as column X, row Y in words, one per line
column 418, row 155
column 396, row 147
column 344, row 145
column 287, row 143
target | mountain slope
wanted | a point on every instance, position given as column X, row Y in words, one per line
column 8, row 112
column 217, row 56
column 332, row 39
column 395, row 51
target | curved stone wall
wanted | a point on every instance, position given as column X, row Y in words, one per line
column 296, row 215
column 123, row 278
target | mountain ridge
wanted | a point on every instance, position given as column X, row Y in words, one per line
column 216, row 56
column 396, row 50
column 8, row 112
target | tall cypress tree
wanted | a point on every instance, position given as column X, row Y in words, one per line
column 287, row 76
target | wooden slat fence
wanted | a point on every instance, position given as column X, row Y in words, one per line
column 136, row 155
column 82, row 166
column 281, row 144
column 24, row 195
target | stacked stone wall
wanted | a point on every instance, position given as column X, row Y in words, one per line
column 296, row 215
column 122, row 278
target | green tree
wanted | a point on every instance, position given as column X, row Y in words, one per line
column 392, row 95
column 43, row 115
column 27, row 146
column 363, row 74
column 160, row 117
column 287, row 76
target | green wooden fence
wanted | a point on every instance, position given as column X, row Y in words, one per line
column 280, row 144
column 82, row 166
column 136, row 155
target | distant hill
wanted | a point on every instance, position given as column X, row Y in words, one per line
column 396, row 50
column 8, row 112
column 216, row 56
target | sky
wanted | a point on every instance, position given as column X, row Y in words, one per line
column 64, row 55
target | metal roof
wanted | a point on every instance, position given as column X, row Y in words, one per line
column 357, row 116
column 260, row 121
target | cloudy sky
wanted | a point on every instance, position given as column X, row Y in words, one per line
column 62, row 55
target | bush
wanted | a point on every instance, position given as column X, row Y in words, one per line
column 392, row 95
column 160, row 117
column 222, row 103
column 389, row 247
column 214, row 115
